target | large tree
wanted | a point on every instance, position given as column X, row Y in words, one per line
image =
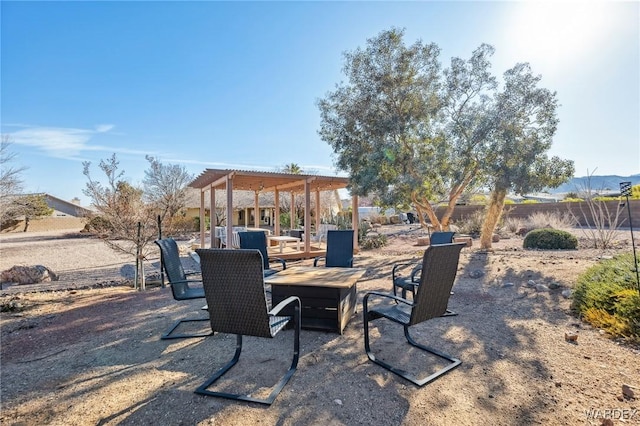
column 406, row 130
column 516, row 158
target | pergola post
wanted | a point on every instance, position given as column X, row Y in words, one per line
column 229, row 187
column 212, row 216
column 202, row 219
column 276, row 228
column 292, row 210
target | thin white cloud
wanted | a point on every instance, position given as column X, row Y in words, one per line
column 102, row 128
column 66, row 142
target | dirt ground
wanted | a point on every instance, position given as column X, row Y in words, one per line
column 86, row 350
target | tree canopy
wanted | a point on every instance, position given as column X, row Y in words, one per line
column 404, row 128
column 409, row 131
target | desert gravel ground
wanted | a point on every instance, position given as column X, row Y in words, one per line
column 86, row 350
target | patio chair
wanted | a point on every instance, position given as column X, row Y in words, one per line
column 411, row 282
column 339, row 249
column 179, row 283
column 258, row 240
column 234, row 288
column 323, row 229
column 440, row 265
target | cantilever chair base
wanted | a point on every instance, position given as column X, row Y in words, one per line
column 167, row 335
column 453, row 362
column 202, row 389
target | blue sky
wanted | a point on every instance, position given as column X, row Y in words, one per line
column 235, row 84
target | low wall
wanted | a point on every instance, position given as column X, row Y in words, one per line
column 579, row 209
column 49, row 224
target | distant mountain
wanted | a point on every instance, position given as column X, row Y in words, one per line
column 596, row 183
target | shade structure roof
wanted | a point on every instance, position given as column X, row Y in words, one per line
column 266, row 181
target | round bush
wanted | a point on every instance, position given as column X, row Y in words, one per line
column 606, row 296
column 550, row 239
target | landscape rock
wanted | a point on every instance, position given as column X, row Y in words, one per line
column 28, row 275
column 476, row 273
column 542, row 288
column 570, row 336
column 628, row 391
column 554, row 286
column 567, row 293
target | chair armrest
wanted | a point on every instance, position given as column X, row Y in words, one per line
column 365, row 299
column 315, row 260
column 288, row 301
column 184, row 281
column 277, row 259
column 399, row 266
column 417, row 270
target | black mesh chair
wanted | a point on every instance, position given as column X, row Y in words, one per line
column 258, row 240
column 411, row 282
column 180, row 288
column 339, row 249
column 440, row 265
column 234, row 288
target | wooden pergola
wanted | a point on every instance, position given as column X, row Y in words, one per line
column 211, row 180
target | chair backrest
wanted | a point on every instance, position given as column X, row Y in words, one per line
column 439, row 268
column 234, row 288
column 323, row 228
column 441, row 237
column 256, row 240
column 170, row 259
column 298, row 233
column 339, row 248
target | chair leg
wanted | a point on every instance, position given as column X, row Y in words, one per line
column 202, row 389
column 454, row 362
column 167, row 335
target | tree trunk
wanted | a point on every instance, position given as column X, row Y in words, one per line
column 26, row 223
column 494, row 211
column 423, row 206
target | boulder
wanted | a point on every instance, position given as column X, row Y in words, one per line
column 28, row 275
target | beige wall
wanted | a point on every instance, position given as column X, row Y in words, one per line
column 50, row 224
column 580, row 210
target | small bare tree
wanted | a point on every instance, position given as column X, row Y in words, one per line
column 165, row 191
column 600, row 231
column 10, row 181
column 122, row 206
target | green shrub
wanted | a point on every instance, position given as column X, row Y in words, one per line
column 606, row 296
column 373, row 241
column 550, row 239
column 98, row 225
column 478, row 199
column 529, row 201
